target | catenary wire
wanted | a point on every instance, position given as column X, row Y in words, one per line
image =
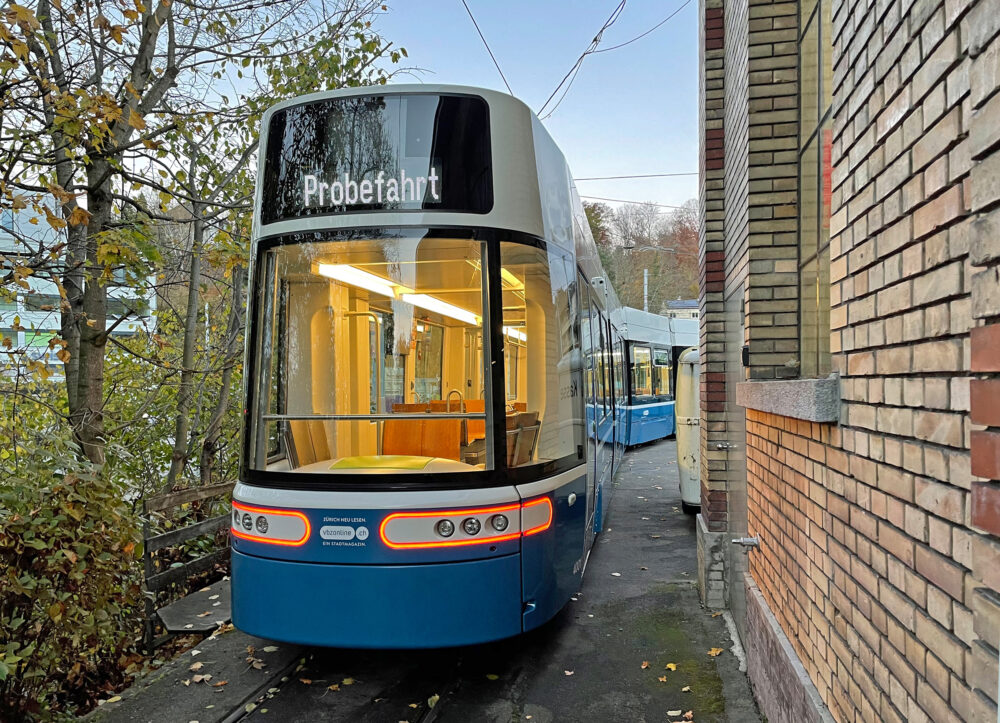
column 472, row 17
column 625, row 200
column 641, row 175
column 590, row 48
column 638, row 37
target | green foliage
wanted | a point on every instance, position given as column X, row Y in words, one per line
column 69, row 587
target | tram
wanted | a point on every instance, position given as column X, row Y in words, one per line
column 653, row 344
column 435, row 374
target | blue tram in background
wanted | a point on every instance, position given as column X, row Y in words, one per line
column 653, row 345
column 435, row 380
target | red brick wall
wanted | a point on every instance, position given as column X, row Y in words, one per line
column 879, row 552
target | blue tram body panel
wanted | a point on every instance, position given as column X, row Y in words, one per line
column 552, row 561
column 647, row 422
column 377, row 606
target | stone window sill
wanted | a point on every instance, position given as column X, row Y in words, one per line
column 815, row 400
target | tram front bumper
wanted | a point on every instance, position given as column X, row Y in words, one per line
column 377, row 606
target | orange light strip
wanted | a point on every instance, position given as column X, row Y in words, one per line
column 446, row 542
column 268, row 511
column 547, row 524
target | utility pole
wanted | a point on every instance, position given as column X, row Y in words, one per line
column 645, row 289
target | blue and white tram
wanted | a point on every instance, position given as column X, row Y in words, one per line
column 428, row 327
column 653, row 345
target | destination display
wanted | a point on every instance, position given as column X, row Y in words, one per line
column 378, row 153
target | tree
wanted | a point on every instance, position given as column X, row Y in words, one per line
column 101, row 100
column 641, row 243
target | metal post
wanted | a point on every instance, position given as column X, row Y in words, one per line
column 645, row 289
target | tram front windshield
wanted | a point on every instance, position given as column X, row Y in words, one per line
column 369, row 358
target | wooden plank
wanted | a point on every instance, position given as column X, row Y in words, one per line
column 181, row 574
column 174, row 499
column 182, row 534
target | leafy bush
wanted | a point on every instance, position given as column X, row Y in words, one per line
column 70, row 591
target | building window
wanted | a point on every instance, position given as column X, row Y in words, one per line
column 815, row 170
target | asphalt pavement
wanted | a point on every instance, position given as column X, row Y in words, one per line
column 634, row 645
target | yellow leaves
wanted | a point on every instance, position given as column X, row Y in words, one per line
column 53, row 220
column 645, row 664
column 670, row 666
column 334, row 687
column 347, row 681
column 116, row 33
column 55, row 611
column 686, row 689
column 715, row 615
column 135, row 120
column 662, row 679
column 20, row 15
column 79, row 217
column 715, row 652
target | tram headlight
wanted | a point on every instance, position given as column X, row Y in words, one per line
column 499, row 522
column 262, row 525
column 472, row 526
column 445, row 528
column 247, row 521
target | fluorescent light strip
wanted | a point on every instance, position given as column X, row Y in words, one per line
column 441, row 307
column 510, row 278
column 361, row 279
column 515, row 332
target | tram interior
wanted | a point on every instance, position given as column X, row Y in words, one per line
column 374, row 362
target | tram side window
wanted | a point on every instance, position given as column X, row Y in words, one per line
column 661, row 375
column 369, row 357
column 642, row 375
column 542, row 356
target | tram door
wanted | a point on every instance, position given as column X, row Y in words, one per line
column 587, row 347
column 602, row 427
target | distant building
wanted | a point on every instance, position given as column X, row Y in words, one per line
column 850, row 350
column 37, row 308
column 682, row 309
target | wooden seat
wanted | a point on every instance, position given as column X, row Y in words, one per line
column 522, row 435
column 427, row 437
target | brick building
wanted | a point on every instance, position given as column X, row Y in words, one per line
column 850, row 337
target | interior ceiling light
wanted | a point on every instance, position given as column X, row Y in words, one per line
column 511, row 280
column 362, row 279
column 441, row 307
column 516, row 333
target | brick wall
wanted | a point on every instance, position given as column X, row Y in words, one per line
column 880, row 554
column 712, row 426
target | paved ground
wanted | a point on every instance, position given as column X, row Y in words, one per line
column 639, row 604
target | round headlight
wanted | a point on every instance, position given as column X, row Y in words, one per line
column 472, row 526
column 499, row 522
column 262, row 525
column 236, row 518
column 247, row 521
column 445, row 528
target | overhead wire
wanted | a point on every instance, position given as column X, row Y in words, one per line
column 579, row 61
column 625, row 200
column 473, row 18
column 638, row 37
column 641, row 175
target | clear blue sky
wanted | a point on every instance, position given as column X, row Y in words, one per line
column 630, row 111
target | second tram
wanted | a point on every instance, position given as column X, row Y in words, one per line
column 435, row 376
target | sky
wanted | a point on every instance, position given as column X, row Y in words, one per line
column 630, row 111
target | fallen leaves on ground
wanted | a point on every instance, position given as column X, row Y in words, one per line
column 645, row 664
column 335, row 686
column 674, row 712
column 347, row 681
column 616, row 574
column 670, row 666
column 270, row 649
column 306, row 681
column 662, row 679
column 715, row 615
column 432, row 701
column 686, row 689
column 689, row 715
column 715, row 652
column 194, row 667
column 569, row 672
column 220, row 684
column 492, row 676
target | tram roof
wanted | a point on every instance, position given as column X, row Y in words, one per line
column 533, row 190
column 669, row 331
